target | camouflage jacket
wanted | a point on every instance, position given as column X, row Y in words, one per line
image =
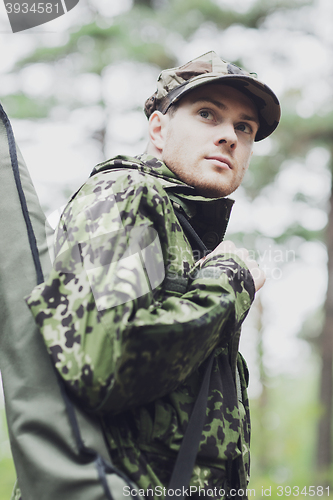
column 128, row 318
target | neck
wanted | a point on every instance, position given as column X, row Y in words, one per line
column 153, row 151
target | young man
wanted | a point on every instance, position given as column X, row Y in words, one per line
column 135, row 304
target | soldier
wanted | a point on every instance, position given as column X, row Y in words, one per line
column 142, row 290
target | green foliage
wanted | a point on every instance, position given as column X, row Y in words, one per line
column 143, row 33
column 284, row 431
column 22, row 106
column 261, row 173
column 189, row 14
column 7, row 478
column 312, row 328
column 93, row 46
column 7, row 470
column 297, row 135
column 296, row 230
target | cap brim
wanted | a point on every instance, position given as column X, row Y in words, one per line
column 263, row 97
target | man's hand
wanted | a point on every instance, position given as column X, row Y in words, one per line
column 258, row 275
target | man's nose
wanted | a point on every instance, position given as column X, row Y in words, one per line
column 226, row 135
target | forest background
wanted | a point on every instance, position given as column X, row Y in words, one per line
column 74, row 90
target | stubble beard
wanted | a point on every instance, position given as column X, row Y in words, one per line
column 205, row 187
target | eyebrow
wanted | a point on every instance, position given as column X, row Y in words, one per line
column 222, row 106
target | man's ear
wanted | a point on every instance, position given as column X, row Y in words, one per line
column 158, row 124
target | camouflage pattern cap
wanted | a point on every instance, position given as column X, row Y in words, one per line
column 174, row 83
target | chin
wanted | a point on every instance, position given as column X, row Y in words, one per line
column 213, row 191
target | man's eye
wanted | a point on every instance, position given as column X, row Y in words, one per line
column 207, row 115
column 244, row 127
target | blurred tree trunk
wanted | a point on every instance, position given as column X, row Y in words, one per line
column 264, row 461
column 324, row 445
column 145, row 3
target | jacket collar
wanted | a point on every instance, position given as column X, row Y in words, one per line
column 208, row 216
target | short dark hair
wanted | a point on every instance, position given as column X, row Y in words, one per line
column 172, row 109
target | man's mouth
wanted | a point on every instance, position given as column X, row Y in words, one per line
column 220, row 161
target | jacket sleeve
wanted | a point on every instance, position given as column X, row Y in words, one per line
column 117, row 337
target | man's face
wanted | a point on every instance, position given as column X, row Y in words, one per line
column 208, row 141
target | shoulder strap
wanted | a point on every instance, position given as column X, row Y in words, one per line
column 183, row 468
column 194, row 239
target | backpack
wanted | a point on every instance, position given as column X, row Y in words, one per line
column 59, row 451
